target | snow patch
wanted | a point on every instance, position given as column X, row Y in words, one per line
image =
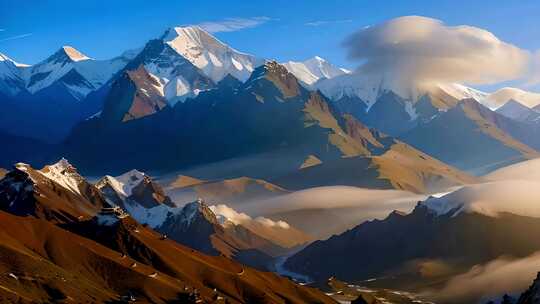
column 125, row 183
column 213, row 57
column 64, row 174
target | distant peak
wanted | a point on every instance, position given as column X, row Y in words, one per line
column 316, row 59
column 515, row 103
column 62, row 164
column 192, row 31
column 133, row 174
column 272, row 65
column 4, row 57
column 73, row 54
column 199, row 207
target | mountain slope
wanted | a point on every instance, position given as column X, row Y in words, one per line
column 176, row 77
column 517, row 111
column 194, row 224
column 11, row 82
column 279, row 120
column 502, row 96
column 312, row 70
column 212, row 56
column 234, row 190
column 134, row 95
column 86, row 74
column 51, row 95
column 277, row 111
column 108, row 256
column 474, row 130
column 56, row 193
column 452, row 241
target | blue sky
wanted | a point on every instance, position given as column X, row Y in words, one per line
column 292, row 30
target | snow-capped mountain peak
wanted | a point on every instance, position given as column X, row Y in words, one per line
column 129, row 180
column 74, row 54
column 7, row 59
column 213, row 57
column 460, row 91
column 76, row 72
column 313, row 70
column 502, row 96
column 4, row 57
column 64, row 174
column 65, row 55
column 11, row 81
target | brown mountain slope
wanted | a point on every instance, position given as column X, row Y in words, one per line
column 136, row 94
column 236, row 190
column 46, row 263
column 182, row 181
column 237, row 283
column 3, row 172
column 103, row 257
column 487, row 124
column 400, row 167
column 56, row 193
column 194, row 224
column 407, row 168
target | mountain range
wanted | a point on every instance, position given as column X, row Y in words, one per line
column 69, row 241
column 185, row 61
column 219, row 136
column 170, row 83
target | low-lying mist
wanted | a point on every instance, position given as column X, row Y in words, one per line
column 481, row 283
column 324, row 211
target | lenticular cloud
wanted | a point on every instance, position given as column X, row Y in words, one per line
column 424, row 50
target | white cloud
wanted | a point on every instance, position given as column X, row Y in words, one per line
column 520, row 197
column 338, row 207
column 503, row 275
column 513, row 189
column 327, row 22
column 335, row 197
column 422, row 50
column 226, row 213
column 16, row 37
column 269, row 223
column 233, row 24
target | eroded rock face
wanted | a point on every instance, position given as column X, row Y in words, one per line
column 282, row 79
column 57, row 193
column 134, row 95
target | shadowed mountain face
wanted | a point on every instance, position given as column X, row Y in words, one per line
column 392, row 114
column 52, row 96
column 470, row 136
column 56, row 193
column 59, row 239
column 454, row 241
column 134, row 95
column 517, row 111
column 279, row 120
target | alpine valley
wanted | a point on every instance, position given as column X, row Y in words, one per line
column 186, row 171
